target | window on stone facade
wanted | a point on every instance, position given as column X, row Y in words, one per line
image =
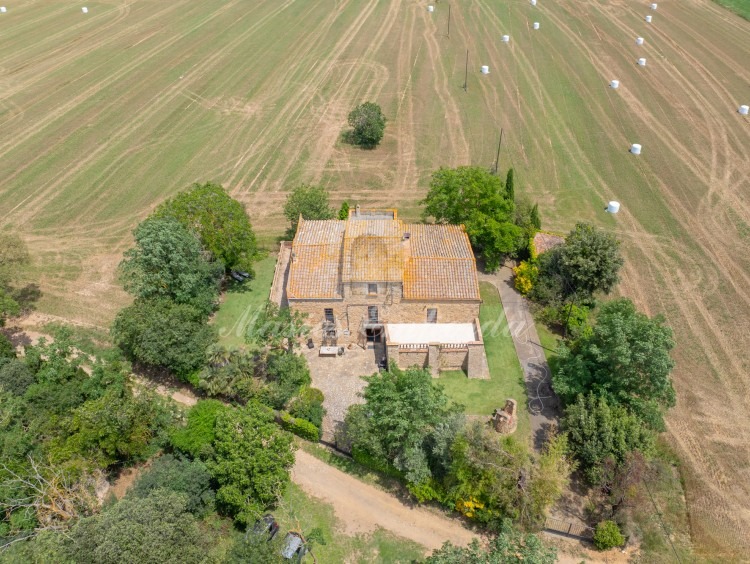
column 372, row 314
column 328, row 312
column 431, row 315
column 372, row 288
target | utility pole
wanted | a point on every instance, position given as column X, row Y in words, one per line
column 497, row 159
column 466, row 73
column 449, row 21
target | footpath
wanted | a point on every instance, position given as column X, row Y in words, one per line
column 543, row 404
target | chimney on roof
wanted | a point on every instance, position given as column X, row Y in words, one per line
column 356, row 210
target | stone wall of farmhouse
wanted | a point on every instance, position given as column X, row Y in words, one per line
column 411, row 358
column 349, row 313
column 453, row 359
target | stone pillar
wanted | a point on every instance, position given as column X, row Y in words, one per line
column 392, row 353
column 433, row 359
column 476, row 363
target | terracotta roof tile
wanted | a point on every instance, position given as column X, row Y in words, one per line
column 543, row 242
column 435, row 263
column 446, row 279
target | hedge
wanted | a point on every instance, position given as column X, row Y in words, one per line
column 365, row 459
column 299, row 427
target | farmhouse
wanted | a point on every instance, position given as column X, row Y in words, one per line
column 407, row 291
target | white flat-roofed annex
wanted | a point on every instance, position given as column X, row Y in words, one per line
column 420, row 333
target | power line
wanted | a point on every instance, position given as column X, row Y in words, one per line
column 663, row 526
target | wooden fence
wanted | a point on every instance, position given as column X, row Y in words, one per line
column 568, row 528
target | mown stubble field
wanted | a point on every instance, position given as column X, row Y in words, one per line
column 104, row 115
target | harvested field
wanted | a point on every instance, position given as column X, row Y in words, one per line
column 103, row 115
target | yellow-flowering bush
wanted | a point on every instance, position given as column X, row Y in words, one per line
column 526, row 276
column 469, row 506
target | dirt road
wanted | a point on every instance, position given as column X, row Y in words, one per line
column 360, row 507
column 363, row 508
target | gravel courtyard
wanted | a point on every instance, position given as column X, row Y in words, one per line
column 339, row 378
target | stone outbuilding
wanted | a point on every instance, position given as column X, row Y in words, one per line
column 408, row 291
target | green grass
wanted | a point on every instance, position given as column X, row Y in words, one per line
column 661, row 515
column 740, row 7
column 297, row 510
column 241, row 302
column 550, row 341
column 481, row 397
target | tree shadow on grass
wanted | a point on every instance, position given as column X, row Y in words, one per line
column 348, row 137
column 27, row 297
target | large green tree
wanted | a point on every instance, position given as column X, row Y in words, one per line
column 167, row 262
column 598, row 431
column 510, row 546
column 625, row 358
column 474, row 197
column 165, row 334
column 402, row 411
column 252, row 460
column 156, row 529
column 308, row 201
column 368, row 123
column 588, row 262
column 117, row 427
column 220, row 221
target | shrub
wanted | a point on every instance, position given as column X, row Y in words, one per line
column 608, row 535
column 365, row 459
column 309, row 406
column 299, row 427
column 15, row 377
column 430, row 490
column 187, row 477
column 196, row 438
column 286, row 374
column 7, row 350
column 576, row 317
column 526, row 276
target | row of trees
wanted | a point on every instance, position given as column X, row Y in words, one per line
column 174, row 272
column 408, row 427
column 612, row 375
column 498, row 224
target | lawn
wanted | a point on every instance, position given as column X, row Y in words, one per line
column 297, row 510
column 481, row 397
column 550, row 341
column 242, row 301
